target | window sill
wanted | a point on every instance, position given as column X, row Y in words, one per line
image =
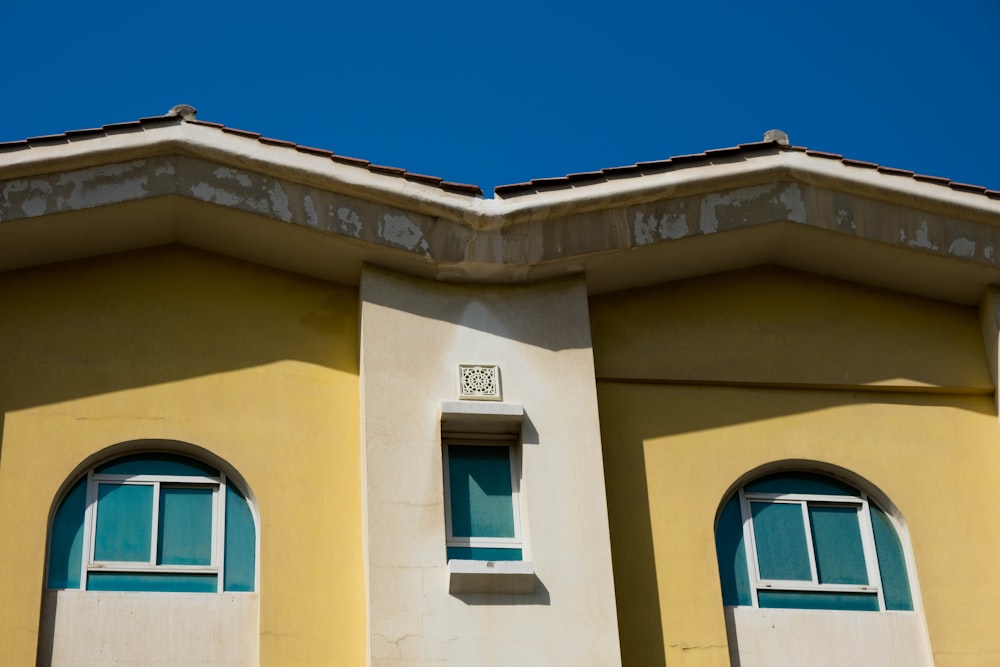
column 515, row 577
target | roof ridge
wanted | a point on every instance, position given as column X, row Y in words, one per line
column 774, row 141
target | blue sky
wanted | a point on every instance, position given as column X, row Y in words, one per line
column 493, row 92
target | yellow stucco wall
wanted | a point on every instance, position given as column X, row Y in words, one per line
column 256, row 366
column 704, row 381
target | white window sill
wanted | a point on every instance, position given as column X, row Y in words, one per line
column 515, row 577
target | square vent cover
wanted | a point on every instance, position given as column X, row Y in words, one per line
column 479, row 382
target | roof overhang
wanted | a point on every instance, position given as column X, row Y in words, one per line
column 297, row 209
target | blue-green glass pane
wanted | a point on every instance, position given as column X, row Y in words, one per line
column 891, row 564
column 799, row 482
column 780, row 534
column 185, row 528
column 483, row 553
column 817, row 600
column 156, row 464
column 241, row 543
column 731, row 552
column 480, row 490
column 66, row 540
column 152, row 582
column 124, row 522
column 840, row 556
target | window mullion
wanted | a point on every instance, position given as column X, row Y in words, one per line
column 753, row 569
column 89, row 523
column 155, row 531
column 218, row 530
column 871, row 554
column 807, row 526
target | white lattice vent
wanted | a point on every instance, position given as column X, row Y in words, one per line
column 479, row 382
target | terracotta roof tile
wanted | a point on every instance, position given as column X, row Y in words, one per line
column 653, row 164
column 242, row 133
column 13, row 145
column 83, row 134
column 322, row 152
column 422, row 178
column 831, row 156
column 461, row 188
column 895, row 172
column 932, row 179
column 723, row 152
column 859, row 163
column 357, row 162
column 617, row 171
column 276, row 142
column 128, row 125
column 47, row 139
column 390, row 171
column 205, row 123
column 965, row 187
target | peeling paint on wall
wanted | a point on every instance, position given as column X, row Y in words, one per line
column 312, row 217
column 670, row 226
column 962, row 247
column 206, row 192
column 792, row 199
column 400, row 230
column 350, row 222
column 279, row 203
column 923, row 238
column 226, row 173
column 97, row 186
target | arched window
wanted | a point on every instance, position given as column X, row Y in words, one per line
column 805, row 541
column 153, row 522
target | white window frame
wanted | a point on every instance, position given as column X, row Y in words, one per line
column 485, row 440
column 216, row 566
column 804, row 500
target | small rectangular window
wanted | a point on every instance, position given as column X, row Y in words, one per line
column 482, row 515
column 144, row 527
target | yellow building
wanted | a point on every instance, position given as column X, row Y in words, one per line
column 264, row 404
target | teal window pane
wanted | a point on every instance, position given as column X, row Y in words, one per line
column 799, row 482
column 483, row 553
column 241, row 543
column 124, row 522
column 816, row 600
column 66, row 540
column 891, row 563
column 152, row 582
column 185, row 526
column 731, row 553
column 836, row 533
column 480, row 491
column 780, row 534
column 156, row 464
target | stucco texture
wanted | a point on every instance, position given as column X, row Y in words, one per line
column 704, row 383
column 249, row 367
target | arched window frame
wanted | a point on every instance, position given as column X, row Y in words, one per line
column 884, row 543
column 242, row 547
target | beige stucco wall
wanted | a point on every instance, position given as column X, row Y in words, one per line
column 252, row 367
column 703, row 382
column 414, row 335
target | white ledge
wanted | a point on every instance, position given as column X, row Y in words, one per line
column 515, row 577
column 481, row 416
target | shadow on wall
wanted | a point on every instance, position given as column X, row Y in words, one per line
column 499, row 311
column 161, row 315
column 539, row 598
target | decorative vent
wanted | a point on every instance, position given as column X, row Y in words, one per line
column 478, row 382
